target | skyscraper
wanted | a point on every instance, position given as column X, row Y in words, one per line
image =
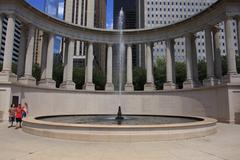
column 17, row 35
column 162, row 13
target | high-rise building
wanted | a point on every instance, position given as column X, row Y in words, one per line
column 80, row 12
column 54, row 8
column 162, row 13
column 100, row 50
column 17, row 35
column 133, row 19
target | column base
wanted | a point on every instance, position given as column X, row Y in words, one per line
column 129, row 87
column 188, row 84
column 231, row 78
column 68, row 85
column 7, row 76
column 49, row 83
column 109, row 87
column 210, row 82
column 169, row 86
column 27, row 80
column 149, row 87
column 89, row 86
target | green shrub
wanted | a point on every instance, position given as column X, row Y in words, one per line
column 58, row 74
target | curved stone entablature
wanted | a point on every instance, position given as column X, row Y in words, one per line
column 209, row 17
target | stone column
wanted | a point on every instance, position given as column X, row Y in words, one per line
column 28, row 79
column 189, row 83
column 149, row 86
column 238, row 31
column 195, row 62
column 231, row 55
column 48, row 81
column 44, row 55
column 6, row 75
column 22, row 51
column 109, row 85
column 170, row 66
column 217, row 55
column 89, row 86
column 210, row 81
column 129, row 84
column 68, row 66
column 1, row 28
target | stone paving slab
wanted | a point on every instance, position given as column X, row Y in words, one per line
column 17, row 145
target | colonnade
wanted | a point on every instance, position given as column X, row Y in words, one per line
column 213, row 57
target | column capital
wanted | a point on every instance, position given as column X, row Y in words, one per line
column 109, row 44
column 229, row 17
column 216, row 29
column 11, row 16
column 129, row 45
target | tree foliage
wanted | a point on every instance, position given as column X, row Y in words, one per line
column 36, row 72
column 139, row 78
column 160, row 73
column 79, row 76
column 202, row 70
column 181, row 74
column 99, row 79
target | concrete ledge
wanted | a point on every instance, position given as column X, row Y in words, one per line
column 123, row 133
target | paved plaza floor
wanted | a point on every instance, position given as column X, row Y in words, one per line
column 17, row 145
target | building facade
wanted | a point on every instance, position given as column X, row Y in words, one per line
column 80, row 12
column 17, row 36
column 163, row 13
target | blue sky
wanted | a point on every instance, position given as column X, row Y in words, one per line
column 39, row 5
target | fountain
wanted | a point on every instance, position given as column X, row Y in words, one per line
column 127, row 128
column 121, row 54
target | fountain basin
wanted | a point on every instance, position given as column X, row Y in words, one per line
column 199, row 127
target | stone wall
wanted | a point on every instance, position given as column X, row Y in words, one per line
column 217, row 102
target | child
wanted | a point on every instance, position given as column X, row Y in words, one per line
column 11, row 113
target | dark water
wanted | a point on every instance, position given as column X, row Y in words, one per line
column 110, row 119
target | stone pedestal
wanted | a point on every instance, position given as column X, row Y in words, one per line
column 169, row 86
column 89, row 87
column 210, row 82
column 68, row 85
column 149, row 87
column 129, row 87
column 6, row 76
column 27, row 80
column 231, row 78
column 49, row 83
column 109, row 87
column 188, row 84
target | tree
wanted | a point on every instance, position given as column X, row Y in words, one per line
column 57, row 69
column 139, row 78
column 181, row 74
column 99, row 79
column 202, row 70
column 160, row 73
column 36, row 72
column 79, row 76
